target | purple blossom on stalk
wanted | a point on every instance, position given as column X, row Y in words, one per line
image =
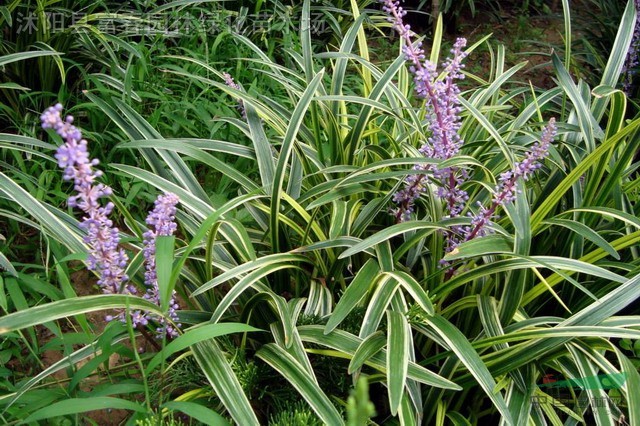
column 102, row 237
column 228, row 80
column 443, row 113
column 414, row 185
column 441, row 95
column 162, row 223
column 105, row 257
column 507, row 183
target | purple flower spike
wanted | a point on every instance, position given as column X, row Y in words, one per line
column 507, row 183
column 443, row 112
column 52, row 119
column 162, row 223
column 228, row 80
column 105, row 257
column 102, row 237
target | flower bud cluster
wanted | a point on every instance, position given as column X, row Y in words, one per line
column 228, row 80
column 102, row 237
column 506, row 189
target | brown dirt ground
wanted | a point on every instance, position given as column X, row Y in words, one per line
column 529, row 39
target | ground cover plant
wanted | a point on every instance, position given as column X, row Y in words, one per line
column 292, row 231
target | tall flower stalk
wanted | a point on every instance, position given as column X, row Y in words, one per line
column 443, row 115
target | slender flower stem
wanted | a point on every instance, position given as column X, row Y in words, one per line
column 507, row 187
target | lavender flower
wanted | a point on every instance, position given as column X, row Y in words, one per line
column 102, row 237
column 162, row 222
column 414, row 185
column 228, row 80
column 507, row 183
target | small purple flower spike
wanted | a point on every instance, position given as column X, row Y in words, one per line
column 507, row 183
column 228, row 80
column 102, row 237
column 162, row 223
